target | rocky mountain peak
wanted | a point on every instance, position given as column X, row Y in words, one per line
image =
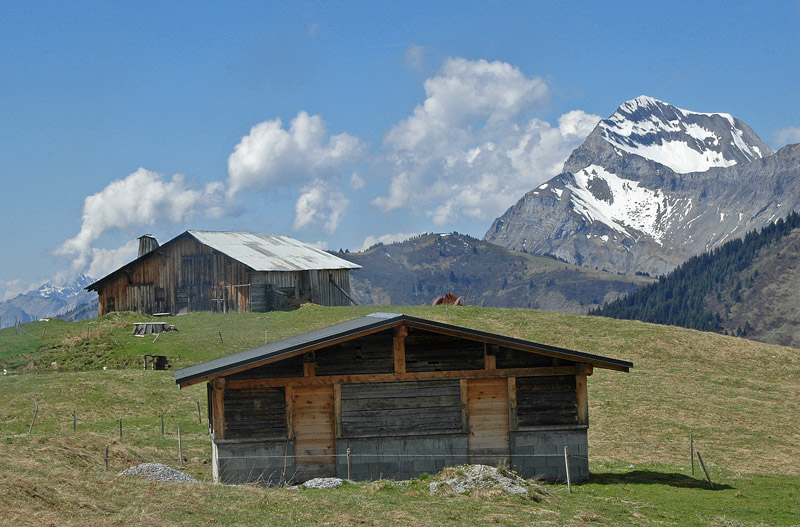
column 682, row 140
column 651, row 186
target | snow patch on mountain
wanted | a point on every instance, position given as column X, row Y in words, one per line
column 621, row 204
column 682, row 140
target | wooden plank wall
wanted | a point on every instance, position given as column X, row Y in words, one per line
column 434, row 352
column 488, row 421
column 255, row 413
column 550, row 400
column 314, row 431
column 401, row 409
column 369, row 354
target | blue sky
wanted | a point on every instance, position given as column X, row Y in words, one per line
column 338, row 123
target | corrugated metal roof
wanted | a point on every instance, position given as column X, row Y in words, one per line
column 270, row 252
column 375, row 321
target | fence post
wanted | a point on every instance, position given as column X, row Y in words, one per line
column 348, row 463
column 106, row 457
column 691, row 450
column 199, row 415
column 74, row 420
column 162, row 426
column 566, row 465
column 35, row 411
column 180, row 447
column 703, row 466
column 120, row 428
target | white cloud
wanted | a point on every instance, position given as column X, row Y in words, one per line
column 270, row 155
column 320, row 202
column 471, row 148
column 105, row 261
column 786, row 136
column 143, row 198
column 414, row 58
column 369, row 241
column 356, row 181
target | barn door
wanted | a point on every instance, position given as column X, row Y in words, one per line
column 314, row 432
column 487, row 404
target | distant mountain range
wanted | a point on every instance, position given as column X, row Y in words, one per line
column 746, row 287
column 69, row 302
column 418, row 270
column 651, row 186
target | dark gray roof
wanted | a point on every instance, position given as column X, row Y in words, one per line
column 374, row 322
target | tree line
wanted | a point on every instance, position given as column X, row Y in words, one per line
column 679, row 298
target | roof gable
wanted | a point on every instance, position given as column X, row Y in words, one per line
column 373, row 323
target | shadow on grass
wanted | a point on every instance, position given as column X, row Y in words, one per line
column 649, row 477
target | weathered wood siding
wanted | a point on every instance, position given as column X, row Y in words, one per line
column 186, row 276
column 488, row 421
column 401, row 409
column 434, row 352
column 255, row 413
column 370, row 354
column 314, row 434
column 551, row 400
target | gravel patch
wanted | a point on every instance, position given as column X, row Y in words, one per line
column 157, row 472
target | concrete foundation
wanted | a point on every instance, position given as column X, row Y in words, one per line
column 257, row 462
column 540, row 454
column 537, row 453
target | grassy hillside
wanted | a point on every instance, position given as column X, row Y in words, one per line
column 739, row 398
column 416, row 271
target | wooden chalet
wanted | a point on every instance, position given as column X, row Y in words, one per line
column 224, row 272
column 393, row 396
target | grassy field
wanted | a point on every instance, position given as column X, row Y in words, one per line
column 739, row 399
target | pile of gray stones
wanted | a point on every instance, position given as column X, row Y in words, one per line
column 157, row 472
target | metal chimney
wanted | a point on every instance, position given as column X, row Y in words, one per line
column 147, row 243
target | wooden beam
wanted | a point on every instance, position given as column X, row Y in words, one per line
column 512, row 404
column 464, row 406
column 399, row 377
column 583, row 399
column 309, row 365
column 399, row 348
column 489, row 357
column 289, row 393
column 337, row 409
column 218, row 398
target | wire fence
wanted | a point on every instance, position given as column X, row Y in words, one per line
column 182, row 438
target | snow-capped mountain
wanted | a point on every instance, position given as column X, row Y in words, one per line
column 49, row 300
column 651, row 186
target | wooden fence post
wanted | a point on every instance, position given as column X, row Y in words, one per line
column 180, row 447
column 162, row 425
column 120, row 428
column 703, row 466
column 691, row 450
column 566, row 465
column 35, row 411
column 106, row 457
column 74, row 420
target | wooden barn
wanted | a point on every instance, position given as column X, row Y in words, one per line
column 393, row 396
column 224, row 272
